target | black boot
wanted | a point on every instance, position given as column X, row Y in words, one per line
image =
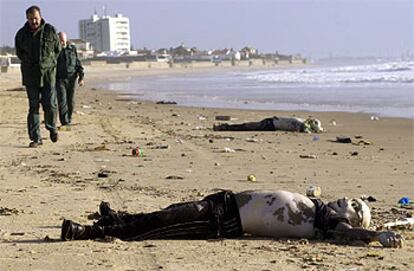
column 105, row 209
column 109, row 217
column 75, row 231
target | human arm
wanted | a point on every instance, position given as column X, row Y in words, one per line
column 18, row 45
column 79, row 68
column 386, row 238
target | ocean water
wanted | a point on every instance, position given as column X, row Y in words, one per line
column 381, row 88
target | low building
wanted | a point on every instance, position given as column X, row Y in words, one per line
column 83, row 48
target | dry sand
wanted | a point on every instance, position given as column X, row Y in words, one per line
column 39, row 187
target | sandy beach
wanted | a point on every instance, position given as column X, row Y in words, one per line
column 184, row 159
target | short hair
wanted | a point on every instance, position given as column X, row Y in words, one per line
column 32, row 9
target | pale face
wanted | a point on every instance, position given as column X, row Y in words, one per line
column 316, row 125
column 34, row 20
column 355, row 210
column 63, row 39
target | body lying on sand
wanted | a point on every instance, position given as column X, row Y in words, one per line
column 290, row 124
column 274, row 214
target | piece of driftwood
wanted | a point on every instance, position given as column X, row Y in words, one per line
column 406, row 223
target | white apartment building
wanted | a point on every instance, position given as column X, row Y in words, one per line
column 106, row 33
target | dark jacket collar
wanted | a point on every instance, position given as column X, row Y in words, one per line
column 42, row 25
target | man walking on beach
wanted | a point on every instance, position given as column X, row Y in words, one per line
column 37, row 46
column 69, row 68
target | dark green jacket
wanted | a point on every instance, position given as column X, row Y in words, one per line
column 69, row 64
column 38, row 52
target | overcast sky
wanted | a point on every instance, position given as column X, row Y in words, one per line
column 313, row 28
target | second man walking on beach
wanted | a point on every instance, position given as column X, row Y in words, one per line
column 69, row 69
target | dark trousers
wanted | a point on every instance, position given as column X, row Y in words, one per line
column 264, row 125
column 213, row 217
column 47, row 97
column 65, row 94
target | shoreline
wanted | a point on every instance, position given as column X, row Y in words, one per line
column 119, row 73
column 39, row 187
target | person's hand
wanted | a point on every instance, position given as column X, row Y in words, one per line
column 80, row 83
column 390, row 239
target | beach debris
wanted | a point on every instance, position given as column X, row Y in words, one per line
column 98, row 159
column 332, row 123
column 174, row 177
column 362, row 142
column 368, row 198
column 251, row 178
column 84, row 106
column 334, row 153
column 251, row 139
column 354, row 153
column 80, row 113
column 405, row 201
column 7, row 211
column 201, row 117
column 179, row 140
column 166, row 102
column 16, row 89
column 374, row 118
column 343, row 139
column 347, row 139
column 308, row 156
column 217, row 164
column 226, row 149
column 102, row 147
column 137, row 151
column 17, row 233
column 223, row 118
column 161, row 147
column 313, row 191
column 315, row 138
column 406, row 223
column 103, row 173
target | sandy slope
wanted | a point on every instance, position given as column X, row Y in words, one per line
column 40, row 187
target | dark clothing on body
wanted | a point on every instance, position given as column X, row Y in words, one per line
column 215, row 216
column 326, row 219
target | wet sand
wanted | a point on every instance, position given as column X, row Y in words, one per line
column 39, row 187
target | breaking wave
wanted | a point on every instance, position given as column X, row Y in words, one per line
column 384, row 73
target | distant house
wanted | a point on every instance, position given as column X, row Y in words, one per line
column 224, row 54
column 9, row 61
column 248, row 52
column 162, row 55
column 182, row 51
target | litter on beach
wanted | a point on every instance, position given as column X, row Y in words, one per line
column 223, row 118
column 406, row 223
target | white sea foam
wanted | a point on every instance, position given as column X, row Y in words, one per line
column 396, row 72
column 384, row 89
